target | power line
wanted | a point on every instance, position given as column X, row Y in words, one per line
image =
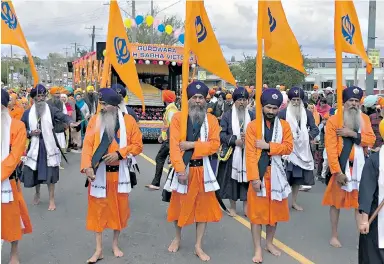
column 93, row 36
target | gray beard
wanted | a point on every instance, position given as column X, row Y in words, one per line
column 295, row 111
column 352, row 119
column 40, row 108
column 241, row 115
column 197, row 113
column 109, row 119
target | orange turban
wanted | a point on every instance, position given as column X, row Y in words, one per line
column 55, row 90
column 315, row 87
column 209, row 110
column 228, row 96
column 212, row 92
column 169, row 96
column 381, row 102
column 282, row 88
column 381, row 128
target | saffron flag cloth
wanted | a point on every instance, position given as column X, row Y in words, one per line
column 280, row 43
column 118, row 53
column 201, row 40
column 347, row 39
column 11, row 33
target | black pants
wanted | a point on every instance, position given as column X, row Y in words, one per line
column 160, row 160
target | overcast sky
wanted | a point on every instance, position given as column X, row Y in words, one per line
column 50, row 26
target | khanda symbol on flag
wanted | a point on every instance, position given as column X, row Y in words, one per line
column 272, row 21
column 201, row 31
column 121, row 50
column 8, row 16
column 348, row 29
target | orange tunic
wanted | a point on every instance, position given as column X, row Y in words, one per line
column 11, row 213
column 264, row 210
column 334, row 195
column 17, row 112
column 113, row 211
column 196, row 205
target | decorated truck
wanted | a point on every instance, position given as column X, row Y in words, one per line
column 158, row 67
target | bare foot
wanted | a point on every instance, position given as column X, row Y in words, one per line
column 52, row 206
column 14, row 260
column 117, row 252
column 96, row 257
column 258, row 258
column 273, row 250
column 232, row 212
column 152, row 187
column 335, row 242
column 201, row 254
column 174, row 246
column 297, row 207
column 36, row 199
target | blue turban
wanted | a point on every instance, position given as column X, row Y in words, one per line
column 271, row 96
column 39, row 89
column 352, row 92
column 197, row 88
column 240, row 92
column 119, row 89
column 109, row 96
column 69, row 89
column 4, row 97
column 295, row 92
column 370, row 100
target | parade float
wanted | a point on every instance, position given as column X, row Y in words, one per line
column 158, row 67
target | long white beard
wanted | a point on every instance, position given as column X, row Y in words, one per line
column 109, row 119
column 40, row 108
column 241, row 114
column 352, row 119
column 295, row 111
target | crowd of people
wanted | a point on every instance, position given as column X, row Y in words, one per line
column 226, row 152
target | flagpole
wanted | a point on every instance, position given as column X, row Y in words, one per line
column 339, row 64
column 259, row 68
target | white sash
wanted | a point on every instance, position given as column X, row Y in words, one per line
column 380, row 216
column 99, row 186
column 53, row 152
column 6, row 188
column 358, row 165
column 210, row 182
column 280, row 188
column 301, row 155
column 239, row 171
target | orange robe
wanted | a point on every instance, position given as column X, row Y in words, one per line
column 113, row 211
column 196, row 205
column 316, row 116
column 17, row 112
column 264, row 210
column 334, row 195
column 12, row 212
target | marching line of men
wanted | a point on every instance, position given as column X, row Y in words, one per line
column 259, row 172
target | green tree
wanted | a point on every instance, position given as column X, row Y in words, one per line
column 143, row 32
column 274, row 72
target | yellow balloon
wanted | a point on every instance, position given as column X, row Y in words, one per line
column 104, row 52
column 127, row 23
column 168, row 29
column 149, row 20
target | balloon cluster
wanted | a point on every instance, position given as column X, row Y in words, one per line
column 151, row 21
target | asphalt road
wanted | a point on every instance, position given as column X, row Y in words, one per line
column 60, row 236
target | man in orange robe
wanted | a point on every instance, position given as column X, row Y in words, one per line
column 269, row 189
column 14, row 213
column 15, row 110
column 346, row 160
column 111, row 139
column 194, row 183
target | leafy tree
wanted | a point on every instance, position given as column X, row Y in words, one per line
column 143, row 32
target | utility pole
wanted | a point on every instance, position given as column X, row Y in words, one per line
column 356, row 69
column 371, row 44
column 66, row 59
column 152, row 14
column 11, row 67
column 134, row 16
column 93, row 36
column 75, row 43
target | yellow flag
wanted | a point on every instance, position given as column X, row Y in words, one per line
column 201, row 40
column 280, row 43
column 347, row 39
column 11, row 33
column 118, row 53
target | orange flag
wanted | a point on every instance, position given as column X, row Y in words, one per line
column 201, row 40
column 11, row 33
column 118, row 53
column 347, row 39
column 280, row 44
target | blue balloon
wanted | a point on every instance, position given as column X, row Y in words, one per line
column 139, row 19
column 161, row 28
column 181, row 38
